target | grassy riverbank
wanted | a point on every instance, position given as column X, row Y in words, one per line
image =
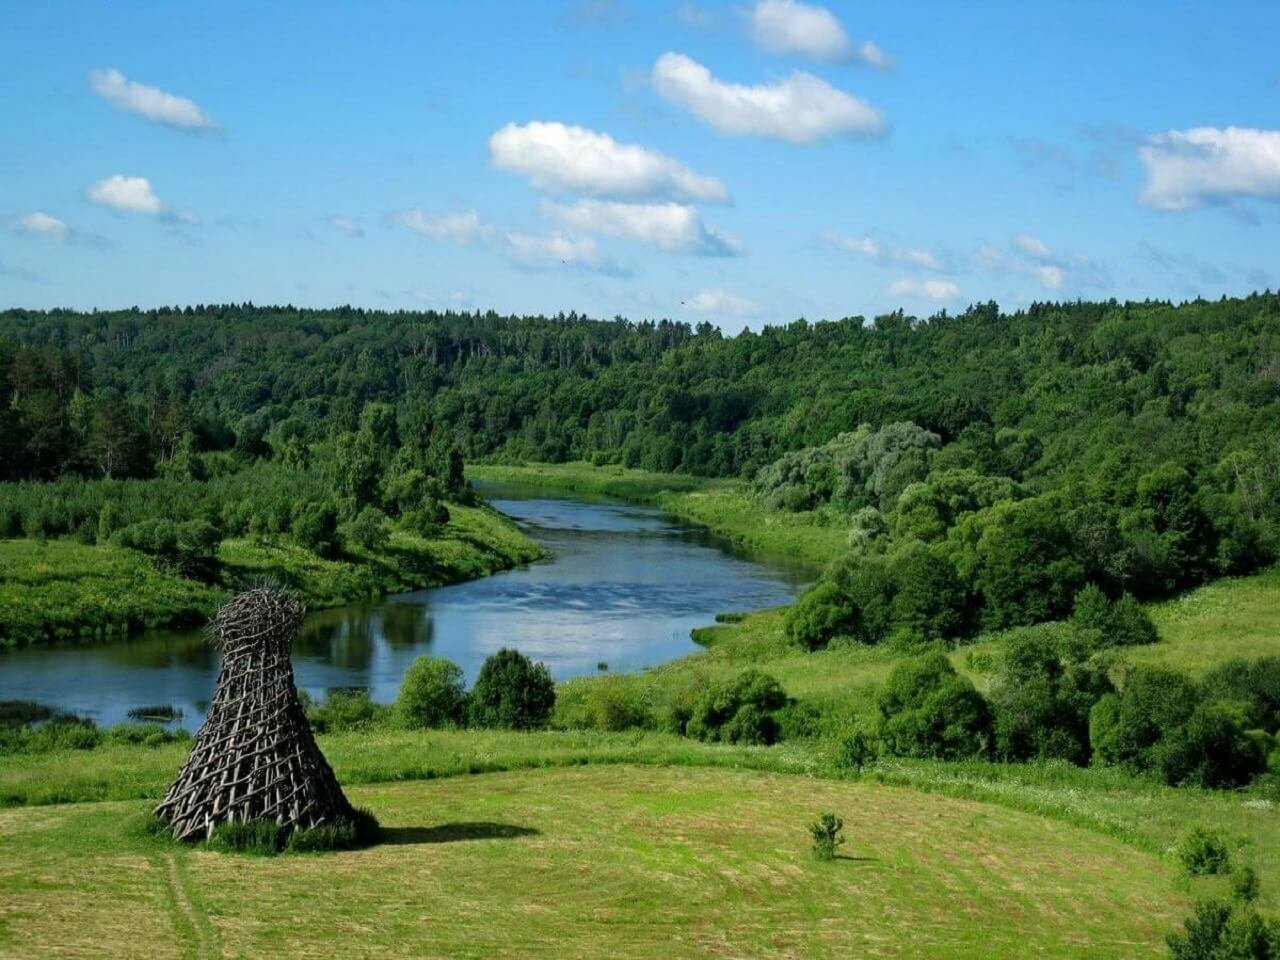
column 61, row 588
column 726, row 507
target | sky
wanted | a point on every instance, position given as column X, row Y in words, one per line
column 744, row 163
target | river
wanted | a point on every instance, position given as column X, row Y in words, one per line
column 621, row 590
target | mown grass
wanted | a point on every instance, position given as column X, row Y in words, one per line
column 64, row 589
column 727, row 507
column 598, row 861
column 1148, row 815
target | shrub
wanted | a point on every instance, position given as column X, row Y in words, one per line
column 1041, row 701
column 367, row 530
column 145, row 734
column 1244, row 885
column 1203, row 853
column 929, row 600
column 828, row 834
column 859, row 749
column 927, row 710
column 512, row 692
column 1125, row 728
column 428, row 520
column 345, row 709
column 1221, row 931
column 616, row 703
column 1209, row 750
column 315, row 527
column 740, row 710
column 1119, row 623
column 431, row 695
column 820, row 614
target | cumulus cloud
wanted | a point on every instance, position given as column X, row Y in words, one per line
column 347, row 226
column 135, row 195
column 937, row 290
column 464, row 227
column 557, row 156
column 799, row 109
column 1208, row 165
column 132, row 194
column 42, row 223
column 672, row 227
column 722, row 302
column 873, row 249
column 150, row 102
column 526, row 249
column 788, row 26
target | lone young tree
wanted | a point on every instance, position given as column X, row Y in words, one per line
column 255, row 758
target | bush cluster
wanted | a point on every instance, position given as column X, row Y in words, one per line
column 510, row 692
column 741, row 710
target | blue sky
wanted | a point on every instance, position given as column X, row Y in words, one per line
column 743, row 163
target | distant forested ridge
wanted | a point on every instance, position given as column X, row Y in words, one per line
column 1058, row 391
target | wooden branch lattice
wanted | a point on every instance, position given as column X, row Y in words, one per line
column 255, row 757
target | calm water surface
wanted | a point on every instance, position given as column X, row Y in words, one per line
column 624, row 586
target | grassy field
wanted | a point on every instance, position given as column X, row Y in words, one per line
column 591, row 862
column 62, row 588
column 726, row 507
column 1239, row 617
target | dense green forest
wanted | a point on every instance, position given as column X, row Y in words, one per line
column 987, row 466
column 1056, row 391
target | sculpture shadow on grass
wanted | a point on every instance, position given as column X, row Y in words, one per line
column 454, row 832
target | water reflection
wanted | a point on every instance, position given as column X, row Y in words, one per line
column 625, row 585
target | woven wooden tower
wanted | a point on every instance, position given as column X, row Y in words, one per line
column 254, row 757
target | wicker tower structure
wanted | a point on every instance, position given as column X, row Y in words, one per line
column 255, row 757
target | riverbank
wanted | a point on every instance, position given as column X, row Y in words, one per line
column 61, row 589
column 728, row 508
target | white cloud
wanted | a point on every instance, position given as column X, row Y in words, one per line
column 135, row 195
column 799, row 109
column 672, row 227
column 1050, row 275
column 719, row 301
column 938, row 290
column 347, row 226
column 556, row 156
column 529, row 247
column 1208, row 165
column 873, row 249
column 464, row 227
column 131, row 194
column 150, row 102
column 1031, row 246
column 43, row 223
column 788, row 26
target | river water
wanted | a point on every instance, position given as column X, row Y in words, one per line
column 621, row 590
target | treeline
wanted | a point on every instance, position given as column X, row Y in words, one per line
column 1083, row 387
column 328, row 496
